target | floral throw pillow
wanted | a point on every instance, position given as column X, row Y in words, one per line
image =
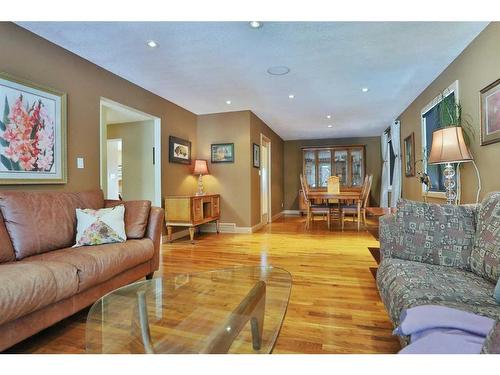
column 97, row 227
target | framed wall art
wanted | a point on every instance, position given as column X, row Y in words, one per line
column 32, row 133
column 409, row 144
column 490, row 113
column 256, row 155
column 222, row 153
column 179, row 150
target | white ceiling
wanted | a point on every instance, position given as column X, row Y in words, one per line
column 200, row 65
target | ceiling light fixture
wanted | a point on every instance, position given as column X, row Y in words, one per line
column 228, row 102
column 330, row 126
column 291, row 96
column 278, row 70
column 364, row 89
column 255, row 24
column 328, row 116
column 152, row 44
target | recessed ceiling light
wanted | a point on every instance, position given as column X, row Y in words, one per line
column 255, row 24
column 330, row 126
column 228, row 101
column 328, row 116
column 291, row 96
column 152, row 44
column 278, row 70
column 364, row 89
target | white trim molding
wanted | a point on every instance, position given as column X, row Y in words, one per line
column 291, row 212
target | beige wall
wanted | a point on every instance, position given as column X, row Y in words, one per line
column 293, row 164
column 28, row 56
column 230, row 180
column 258, row 127
column 238, row 182
column 138, row 172
column 476, row 67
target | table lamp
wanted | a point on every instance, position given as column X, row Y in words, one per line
column 448, row 146
column 200, row 169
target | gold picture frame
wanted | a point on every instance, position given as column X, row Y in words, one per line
column 409, row 152
column 33, row 144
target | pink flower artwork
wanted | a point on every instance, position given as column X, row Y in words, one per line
column 493, row 112
column 27, row 133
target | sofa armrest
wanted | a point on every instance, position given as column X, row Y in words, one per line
column 389, row 235
column 153, row 232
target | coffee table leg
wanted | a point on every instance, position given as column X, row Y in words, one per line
column 144, row 323
column 359, row 213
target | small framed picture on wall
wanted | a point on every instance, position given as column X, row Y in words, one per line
column 179, row 150
column 409, row 144
column 490, row 113
column 256, row 155
column 222, row 153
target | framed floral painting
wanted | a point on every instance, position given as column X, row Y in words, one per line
column 32, row 133
column 490, row 113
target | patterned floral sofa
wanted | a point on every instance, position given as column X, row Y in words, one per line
column 441, row 254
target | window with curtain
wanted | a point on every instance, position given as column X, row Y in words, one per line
column 432, row 120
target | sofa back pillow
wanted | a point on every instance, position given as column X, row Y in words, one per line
column 41, row 221
column 485, row 257
column 136, row 216
column 434, row 233
column 98, row 227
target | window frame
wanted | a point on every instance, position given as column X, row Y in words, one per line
column 452, row 89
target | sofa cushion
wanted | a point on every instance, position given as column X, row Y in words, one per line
column 28, row 286
column 492, row 342
column 435, row 234
column 136, row 217
column 41, row 221
column 96, row 264
column 403, row 284
column 485, row 258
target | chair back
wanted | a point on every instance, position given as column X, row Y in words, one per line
column 333, row 186
column 367, row 186
column 304, row 190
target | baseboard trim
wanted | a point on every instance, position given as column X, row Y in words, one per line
column 291, row 212
column 224, row 228
column 277, row 216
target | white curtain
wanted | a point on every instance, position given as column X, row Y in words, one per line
column 396, row 177
column 384, row 188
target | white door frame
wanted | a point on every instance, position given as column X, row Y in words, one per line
column 104, row 102
column 264, row 139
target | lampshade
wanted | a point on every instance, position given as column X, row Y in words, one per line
column 448, row 146
column 200, row 167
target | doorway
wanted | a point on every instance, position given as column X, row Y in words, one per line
column 130, row 153
column 265, row 179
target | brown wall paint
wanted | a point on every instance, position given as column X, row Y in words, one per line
column 293, row 164
column 475, row 68
column 258, row 127
column 238, row 182
column 26, row 55
column 230, row 180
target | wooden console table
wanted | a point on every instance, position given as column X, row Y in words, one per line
column 191, row 211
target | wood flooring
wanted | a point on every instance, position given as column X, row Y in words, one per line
column 334, row 304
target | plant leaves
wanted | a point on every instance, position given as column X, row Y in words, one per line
column 6, row 162
column 6, row 111
column 4, row 142
column 2, row 126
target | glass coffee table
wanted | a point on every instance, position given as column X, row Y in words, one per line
column 235, row 310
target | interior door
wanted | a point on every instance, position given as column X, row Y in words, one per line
column 265, row 181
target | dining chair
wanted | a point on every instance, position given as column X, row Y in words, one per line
column 313, row 208
column 333, row 187
column 352, row 210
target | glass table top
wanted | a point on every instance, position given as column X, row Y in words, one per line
column 235, row 310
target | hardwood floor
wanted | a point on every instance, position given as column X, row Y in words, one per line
column 334, row 304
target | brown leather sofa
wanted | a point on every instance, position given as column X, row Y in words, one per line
column 43, row 279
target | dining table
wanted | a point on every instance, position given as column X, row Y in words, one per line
column 342, row 196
